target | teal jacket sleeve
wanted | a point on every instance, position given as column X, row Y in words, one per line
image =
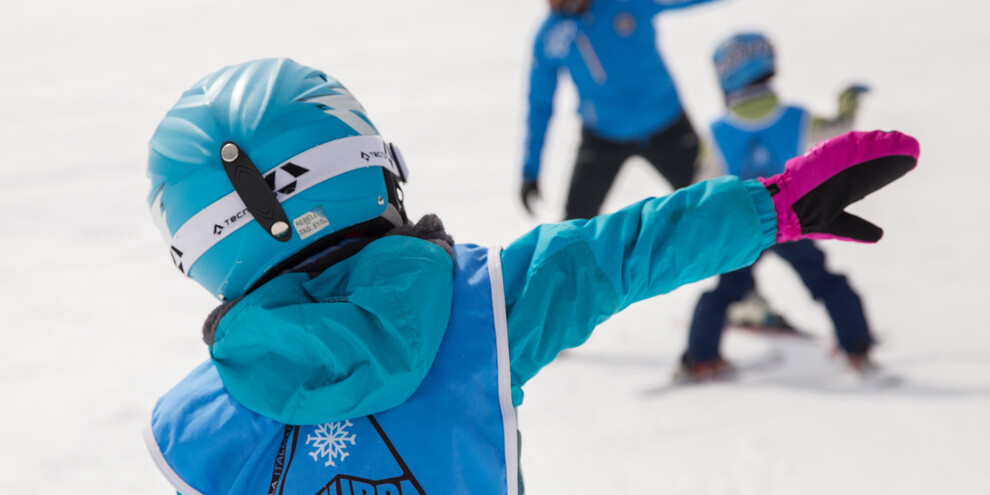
column 562, row 280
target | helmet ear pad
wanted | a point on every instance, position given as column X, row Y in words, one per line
column 395, row 199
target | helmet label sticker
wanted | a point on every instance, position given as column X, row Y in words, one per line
column 310, row 222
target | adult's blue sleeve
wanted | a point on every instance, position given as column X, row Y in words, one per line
column 542, row 86
column 562, row 280
column 655, row 6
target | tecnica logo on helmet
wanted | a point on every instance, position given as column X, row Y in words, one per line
column 290, row 169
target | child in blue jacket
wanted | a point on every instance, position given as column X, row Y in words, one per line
column 755, row 139
column 356, row 352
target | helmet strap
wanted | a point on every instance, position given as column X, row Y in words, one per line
column 254, row 191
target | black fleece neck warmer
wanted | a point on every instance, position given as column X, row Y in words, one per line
column 429, row 228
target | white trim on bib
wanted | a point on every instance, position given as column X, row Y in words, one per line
column 156, row 454
column 509, row 424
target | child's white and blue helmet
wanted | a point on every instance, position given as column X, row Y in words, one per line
column 742, row 60
column 259, row 165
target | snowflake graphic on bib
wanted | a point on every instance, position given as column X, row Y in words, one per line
column 330, row 440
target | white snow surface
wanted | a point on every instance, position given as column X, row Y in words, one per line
column 96, row 323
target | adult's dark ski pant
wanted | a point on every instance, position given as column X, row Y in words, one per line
column 672, row 151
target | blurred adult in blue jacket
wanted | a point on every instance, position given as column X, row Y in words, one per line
column 628, row 103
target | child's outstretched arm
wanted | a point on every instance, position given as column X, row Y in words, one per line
column 562, row 280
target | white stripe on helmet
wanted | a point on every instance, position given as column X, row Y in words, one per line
column 214, row 223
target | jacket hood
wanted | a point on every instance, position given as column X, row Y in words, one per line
column 328, row 343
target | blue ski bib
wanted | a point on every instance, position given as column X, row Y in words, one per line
column 456, row 434
column 760, row 148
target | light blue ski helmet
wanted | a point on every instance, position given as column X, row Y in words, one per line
column 261, row 164
column 742, row 60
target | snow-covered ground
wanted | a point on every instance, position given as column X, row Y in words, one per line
column 95, row 323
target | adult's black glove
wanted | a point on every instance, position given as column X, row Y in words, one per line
column 529, row 193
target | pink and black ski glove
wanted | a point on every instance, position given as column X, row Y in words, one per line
column 815, row 188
